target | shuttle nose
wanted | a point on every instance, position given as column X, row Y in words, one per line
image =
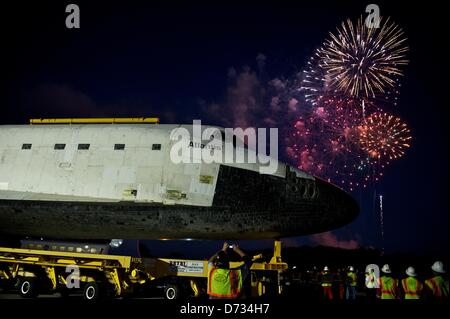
column 331, row 206
column 269, row 206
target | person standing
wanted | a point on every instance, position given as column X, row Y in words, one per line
column 438, row 285
column 351, row 283
column 388, row 285
column 412, row 287
column 327, row 283
column 339, row 284
column 224, row 282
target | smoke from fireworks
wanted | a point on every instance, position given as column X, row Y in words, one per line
column 351, row 76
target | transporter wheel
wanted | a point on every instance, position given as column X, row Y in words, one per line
column 28, row 288
column 172, row 292
column 91, row 291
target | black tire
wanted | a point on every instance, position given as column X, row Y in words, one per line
column 28, row 288
column 92, row 291
column 172, row 292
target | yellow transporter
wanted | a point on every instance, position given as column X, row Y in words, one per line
column 36, row 271
column 97, row 120
column 98, row 275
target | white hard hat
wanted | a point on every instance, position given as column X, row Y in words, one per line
column 386, row 269
column 411, row 272
column 438, row 266
column 325, row 268
column 351, row 268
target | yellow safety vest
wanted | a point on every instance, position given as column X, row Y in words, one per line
column 412, row 288
column 352, row 279
column 225, row 283
column 439, row 286
column 389, row 287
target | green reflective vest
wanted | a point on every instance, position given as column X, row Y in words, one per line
column 439, row 286
column 351, row 279
column 389, row 287
column 412, row 288
column 225, row 283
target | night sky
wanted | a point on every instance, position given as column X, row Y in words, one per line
column 174, row 60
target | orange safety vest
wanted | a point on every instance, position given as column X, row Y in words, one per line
column 225, row 283
column 439, row 286
column 412, row 288
column 389, row 287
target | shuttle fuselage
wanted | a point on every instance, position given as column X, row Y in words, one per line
column 103, row 181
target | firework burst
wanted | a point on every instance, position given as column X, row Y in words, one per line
column 313, row 81
column 351, row 75
column 384, row 136
column 325, row 142
column 363, row 62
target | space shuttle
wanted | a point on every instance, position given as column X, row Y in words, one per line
column 99, row 179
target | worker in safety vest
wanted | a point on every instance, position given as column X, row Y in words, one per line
column 224, row 282
column 412, row 287
column 438, row 285
column 351, row 284
column 327, row 283
column 388, row 285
